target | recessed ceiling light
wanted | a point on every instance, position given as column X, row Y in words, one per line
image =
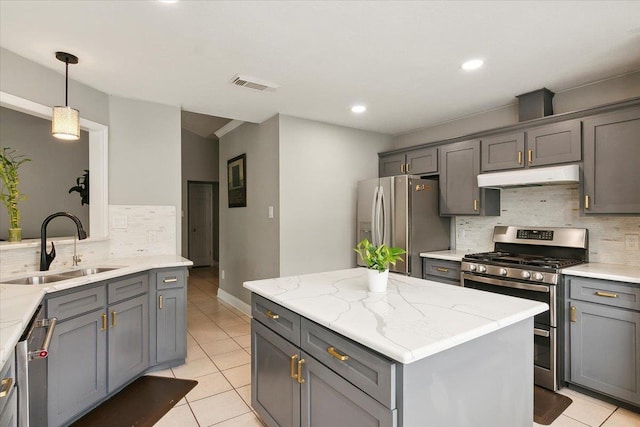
column 472, row 64
column 358, row 109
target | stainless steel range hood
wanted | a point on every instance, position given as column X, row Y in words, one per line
column 566, row 174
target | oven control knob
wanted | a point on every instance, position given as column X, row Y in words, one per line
column 525, row 274
column 482, row 269
column 538, row 276
column 503, row 271
column 473, row 267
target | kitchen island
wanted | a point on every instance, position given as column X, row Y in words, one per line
column 421, row 354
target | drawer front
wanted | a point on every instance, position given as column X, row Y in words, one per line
column 127, row 288
column 616, row 294
column 7, row 380
column 277, row 318
column 76, row 303
column 171, row 278
column 441, row 268
column 368, row 371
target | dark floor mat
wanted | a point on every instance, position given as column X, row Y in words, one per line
column 142, row 403
column 547, row 405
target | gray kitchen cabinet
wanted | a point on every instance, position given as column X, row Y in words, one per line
column 540, row 146
column 604, row 327
column 459, row 191
column 422, row 161
column 8, row 393
column 9, row 415
column 611, row 159
column 443, row 271
column 169, row 314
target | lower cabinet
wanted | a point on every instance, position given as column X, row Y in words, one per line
column 8, row 393
column 170, row 299
column 443, row 271
column 9, row 415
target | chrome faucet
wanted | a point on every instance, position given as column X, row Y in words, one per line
column 47, row 258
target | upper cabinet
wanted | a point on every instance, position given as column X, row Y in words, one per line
column 540, row 146
column 423, row 161
column 612, row 163
column 459, row 191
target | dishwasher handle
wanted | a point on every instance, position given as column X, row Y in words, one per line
column 43, row 352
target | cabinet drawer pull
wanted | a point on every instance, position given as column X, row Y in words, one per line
column 299, row 374
column 402, row 167
column 475, row 205
column 573, row 314
column 341, row 357
column 407, row 167
column 586, row 201
column 114, row 320
column 271, row 315
column 292, row 366
column 160, row 302
column 541, row 332
column 606, row 294
column 104, row 322
column 170, row 280
column 530, row 154
column 519, row 157
column 442, row 269
column 6, row 386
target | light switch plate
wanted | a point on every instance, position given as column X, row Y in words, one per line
column 631, row 242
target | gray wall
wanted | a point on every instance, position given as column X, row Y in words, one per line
column 249, row 247
column 598, row 93
column 46, row 179
column 200, row 157
column 320, row 166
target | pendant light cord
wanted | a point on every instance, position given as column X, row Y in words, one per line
column 66, row 84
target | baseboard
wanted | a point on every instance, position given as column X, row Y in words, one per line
column 234, row 302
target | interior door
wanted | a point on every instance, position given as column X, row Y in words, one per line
column 200, row 211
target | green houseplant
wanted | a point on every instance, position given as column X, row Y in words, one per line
column 10, row 162
column 377, row 259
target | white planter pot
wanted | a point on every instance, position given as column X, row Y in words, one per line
column 377, row 281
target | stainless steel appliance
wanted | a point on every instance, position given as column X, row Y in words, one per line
column 31, row 370
column 526, row 263
column 402, row 211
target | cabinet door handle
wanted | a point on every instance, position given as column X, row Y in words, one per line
column 573, row 314
column 402, row 167
column 519, row 157
column 606, row 294
column 104, row 322
column 271, row 315
column 160, row 302
column 586, row 201
column 292, row 366
column 475, row 205
column 407, row 167
column 530, row 154
column 6, row 386
column 114, row 319
column 170, row 279
column 442, row 269
column 299, row 374
column 341, row 357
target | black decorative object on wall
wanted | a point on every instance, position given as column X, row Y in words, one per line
column 237, row 181
column 82, row 187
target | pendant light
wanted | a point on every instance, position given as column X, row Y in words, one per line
column 65, row 123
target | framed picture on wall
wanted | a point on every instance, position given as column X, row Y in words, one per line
column 237, row 179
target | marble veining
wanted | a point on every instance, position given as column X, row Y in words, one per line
column 414, row 319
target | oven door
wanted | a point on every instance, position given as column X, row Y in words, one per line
column 531, row 291
column 545, row 356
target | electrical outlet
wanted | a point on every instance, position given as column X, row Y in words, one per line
column 222, row 274
column 631, row 242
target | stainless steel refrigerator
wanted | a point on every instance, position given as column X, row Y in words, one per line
column 402, row 211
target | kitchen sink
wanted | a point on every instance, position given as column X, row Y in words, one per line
column 37, row 280
column 86, row 271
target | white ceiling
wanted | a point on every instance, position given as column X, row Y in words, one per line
column 401, row 59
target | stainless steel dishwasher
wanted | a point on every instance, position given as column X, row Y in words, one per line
column 31, row 370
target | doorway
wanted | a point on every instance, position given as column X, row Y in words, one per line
column 202, row 223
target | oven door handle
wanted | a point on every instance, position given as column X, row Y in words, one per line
column 541, row 332
column 506, row 284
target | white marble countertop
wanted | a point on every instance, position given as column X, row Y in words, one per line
column 414, row 319
column 449, row 255
column 596, row 270
column 18, row 303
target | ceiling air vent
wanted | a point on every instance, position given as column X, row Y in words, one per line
column 253, row 83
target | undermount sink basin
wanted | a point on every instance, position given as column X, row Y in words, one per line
column 37, row 280
column 86, row 271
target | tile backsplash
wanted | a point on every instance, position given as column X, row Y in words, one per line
column 552, row 206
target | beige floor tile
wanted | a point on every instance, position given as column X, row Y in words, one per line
column 575, row 394
column 247, row 349
column 243, row 340
column 221, row 407
column 178, row 416
column 237, row 330
column 221, row 315
column 194, row 352
column 229, row 321
column 245, row 393
column 623, row 418
column 564, row 421
column 238, row 376
column 182, row 401
column 215, row 348
column 163, row 373
column 231, row 360
column 191, row 341
column 587, row 411
column 209, row 385
column 246, row 420
column 195, row 368
column 203, row 335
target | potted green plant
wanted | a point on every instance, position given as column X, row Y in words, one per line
column 10, row 162
column 377, row 260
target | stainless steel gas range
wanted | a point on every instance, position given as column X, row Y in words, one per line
column 526, row 263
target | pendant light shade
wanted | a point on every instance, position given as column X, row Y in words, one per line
column 65, row 123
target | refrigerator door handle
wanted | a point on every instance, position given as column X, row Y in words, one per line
column 374, row 206
column 381, row 218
